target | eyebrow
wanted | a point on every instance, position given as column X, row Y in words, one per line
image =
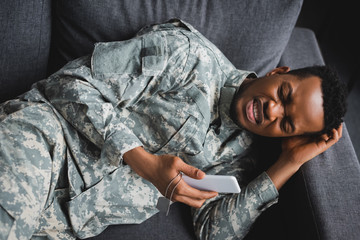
column 285, row 100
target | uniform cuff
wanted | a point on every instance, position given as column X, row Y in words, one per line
column 266, row 191
column 117, row 145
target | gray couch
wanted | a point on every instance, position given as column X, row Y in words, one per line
column 322, row 201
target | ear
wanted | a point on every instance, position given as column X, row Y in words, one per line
column 278, row 70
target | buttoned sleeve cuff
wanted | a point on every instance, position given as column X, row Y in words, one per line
column 118, row 144
column 265, row 190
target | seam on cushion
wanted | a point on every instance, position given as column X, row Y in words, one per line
column 310, row 204
column 40, row 42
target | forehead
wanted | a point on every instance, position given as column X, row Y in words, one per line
column 308, row 111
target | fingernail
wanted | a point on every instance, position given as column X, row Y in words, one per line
column 199, row 173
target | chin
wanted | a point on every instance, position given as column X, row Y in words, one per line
column 254, row 131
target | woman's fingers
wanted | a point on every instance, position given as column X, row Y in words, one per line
column 191, row 196
column 339, row 130
column 171, row 185
column 179, row 191
column 186, row 190
column 335, row 135
column 189, row 170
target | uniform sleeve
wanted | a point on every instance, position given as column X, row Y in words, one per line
column 233, row 214
column 96, row 95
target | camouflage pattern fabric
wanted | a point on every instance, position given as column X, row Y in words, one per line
column 61, row 144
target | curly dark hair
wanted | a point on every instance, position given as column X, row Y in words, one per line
column 334, row 94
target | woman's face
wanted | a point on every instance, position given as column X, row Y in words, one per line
column 280, row 105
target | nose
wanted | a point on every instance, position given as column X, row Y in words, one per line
column 274, row 110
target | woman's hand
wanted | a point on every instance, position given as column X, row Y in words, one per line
column 160, row 170
column 298, row 150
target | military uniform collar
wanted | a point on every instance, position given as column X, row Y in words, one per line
column 227, row 94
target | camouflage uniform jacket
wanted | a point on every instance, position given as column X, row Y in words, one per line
column 169, row 90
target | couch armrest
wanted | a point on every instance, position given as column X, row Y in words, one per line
column 332, row 180
column 302, row 50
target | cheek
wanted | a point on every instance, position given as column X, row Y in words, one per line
column 271, row 131
column 238, row 115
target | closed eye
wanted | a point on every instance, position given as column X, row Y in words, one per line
column 287, row 125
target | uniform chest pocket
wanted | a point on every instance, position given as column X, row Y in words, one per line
column 184, row 140
column 162, row 131
column 140, row 55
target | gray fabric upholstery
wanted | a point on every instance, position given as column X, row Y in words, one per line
column 251, row 33
column 333, row 183
column 176, row 226
column 24, row 44
column 302, row 50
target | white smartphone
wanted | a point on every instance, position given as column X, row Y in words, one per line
column 217, row 183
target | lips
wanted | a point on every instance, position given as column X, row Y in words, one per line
column 254, row 111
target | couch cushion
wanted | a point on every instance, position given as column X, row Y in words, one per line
column 176, row 226
column 251, row 33
column 24, row 44
column 302, row 50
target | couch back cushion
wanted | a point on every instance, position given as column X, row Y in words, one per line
column 251, row 33
column 25, row 32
